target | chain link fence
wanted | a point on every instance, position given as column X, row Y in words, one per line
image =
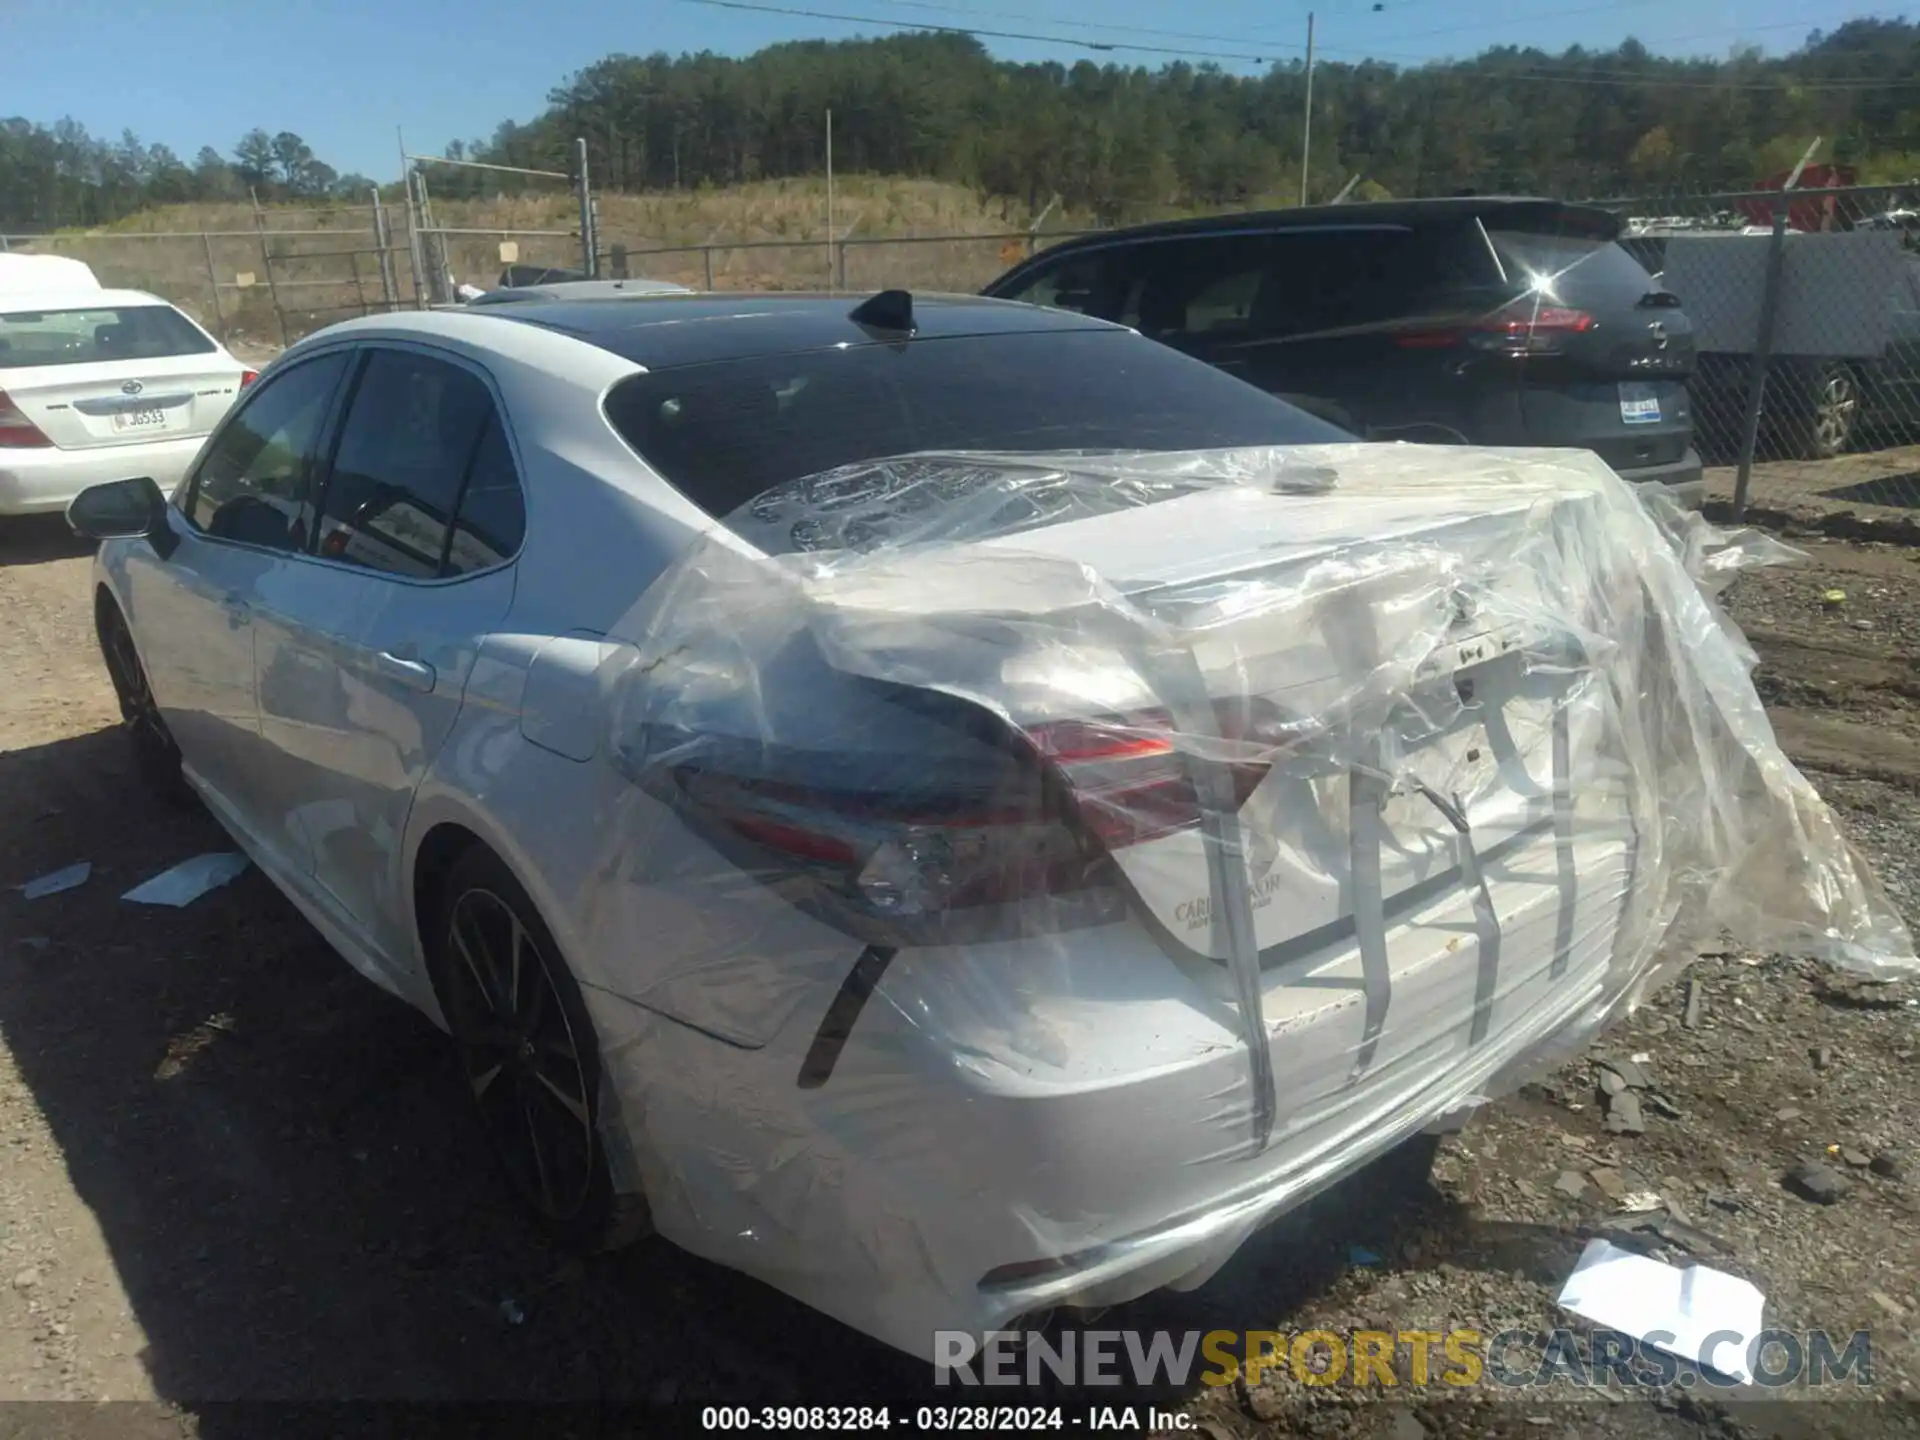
column 1805, row 313
column 260, row 287
column 855, row 264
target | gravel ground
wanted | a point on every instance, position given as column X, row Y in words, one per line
column 231, row 1171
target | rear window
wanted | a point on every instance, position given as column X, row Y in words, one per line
column 80, row 337
column 1569, row 260
column 726, row 432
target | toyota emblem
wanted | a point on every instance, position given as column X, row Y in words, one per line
column 132, row 387
column 1658, row 330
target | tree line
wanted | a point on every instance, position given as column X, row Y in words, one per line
column 1121, row 140
column 1113, row 140
column 59, row 175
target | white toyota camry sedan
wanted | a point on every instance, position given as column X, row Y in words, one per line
column 946, row 806
column 100, row 384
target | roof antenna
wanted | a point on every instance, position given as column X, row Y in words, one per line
column 889, row 310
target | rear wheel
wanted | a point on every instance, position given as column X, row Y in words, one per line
column 1826, row 414
column 155, row 755
column 527, row 1050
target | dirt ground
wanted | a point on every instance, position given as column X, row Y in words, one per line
column 232, row 1172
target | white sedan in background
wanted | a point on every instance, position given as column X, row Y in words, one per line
column 99, row 385
column 881, row 941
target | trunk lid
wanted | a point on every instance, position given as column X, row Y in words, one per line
column 1388, row 647
column 108, row 374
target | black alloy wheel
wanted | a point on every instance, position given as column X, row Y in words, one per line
column 526, row 1047
column 156, row 755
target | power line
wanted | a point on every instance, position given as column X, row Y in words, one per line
column 1103, row 25
column 1094, row 45
column 1535, row 76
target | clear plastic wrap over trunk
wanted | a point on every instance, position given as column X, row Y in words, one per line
column 1117, row 848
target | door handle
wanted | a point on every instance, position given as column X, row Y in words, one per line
column 414, row 674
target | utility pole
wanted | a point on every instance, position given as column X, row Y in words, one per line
column 830, row 230
column 1306, row 136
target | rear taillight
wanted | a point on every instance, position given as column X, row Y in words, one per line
column 17, row 432
column 1127, row 778
column 928, row 859
column 890, row 858
column 1518, row 329
column 247, row 377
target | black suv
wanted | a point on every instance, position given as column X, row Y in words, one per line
column 1484, row 320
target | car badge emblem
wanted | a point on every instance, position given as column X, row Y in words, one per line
column 132, row 387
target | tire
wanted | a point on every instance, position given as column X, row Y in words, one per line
column 156, row 757
column 1825, row 414
column 526, row 1050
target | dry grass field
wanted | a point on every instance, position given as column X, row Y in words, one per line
column 768, row 235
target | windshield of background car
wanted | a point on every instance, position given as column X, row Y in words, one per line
column 81, row 337
column 725, row 432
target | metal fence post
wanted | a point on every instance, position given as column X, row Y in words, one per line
column 266, row 261
column 589, row 247
column 1762, row 353
column 706, row 254
column 359, row 290
column 213, row 289
column 416, row 262
column 384, row 246
column 840, row 267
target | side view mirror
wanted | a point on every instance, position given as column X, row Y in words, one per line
column 121, row 510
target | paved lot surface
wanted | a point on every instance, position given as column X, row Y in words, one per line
column 232, row 1171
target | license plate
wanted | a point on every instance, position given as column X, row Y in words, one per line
column 148, row 417
column 1639, row 405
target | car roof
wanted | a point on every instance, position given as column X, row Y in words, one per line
column 70, row 298
column 1445, row 210
column 694, row 329
column 22, row 271
column 554, row 290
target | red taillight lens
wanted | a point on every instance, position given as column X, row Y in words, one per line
column 247, row 377
column 898, row 860
column 17, row 432
column 1517, row 329
column 1127, row 777
column 943, row 851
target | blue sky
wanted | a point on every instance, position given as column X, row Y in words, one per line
column 345, row 73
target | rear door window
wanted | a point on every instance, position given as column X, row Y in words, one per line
column 1359, row 279
column 1204, row 293
column 416, row 429
column 1072, row 284
column 253, row 484
column 493, row 512
column 87, row 336
column 1180, row 291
